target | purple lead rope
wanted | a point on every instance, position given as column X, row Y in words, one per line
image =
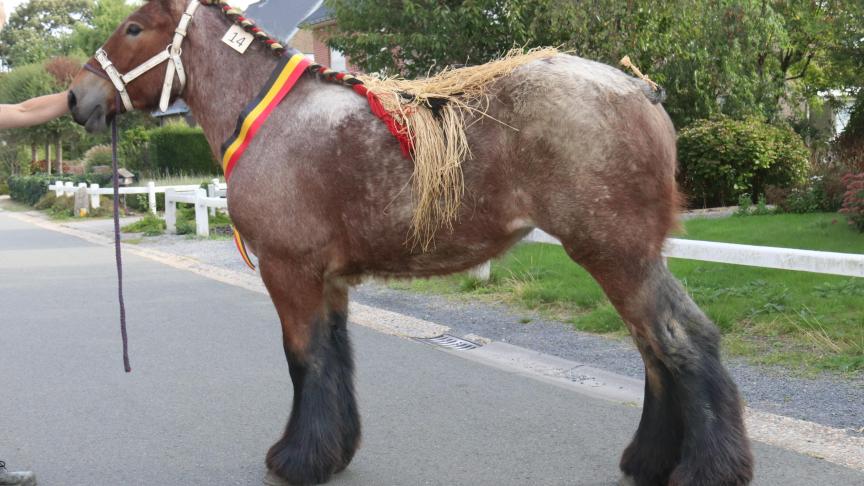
column 116, row 178
column 114, row 139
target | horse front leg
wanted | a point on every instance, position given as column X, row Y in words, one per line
column 323, row 430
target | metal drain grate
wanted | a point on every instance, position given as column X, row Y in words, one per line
column 453, row 342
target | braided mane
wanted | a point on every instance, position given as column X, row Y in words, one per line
column 236, row 16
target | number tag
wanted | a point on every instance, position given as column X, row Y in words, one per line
column 238, row 38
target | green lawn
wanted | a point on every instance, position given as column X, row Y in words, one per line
column 796, row 319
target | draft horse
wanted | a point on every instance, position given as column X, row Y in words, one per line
column 570, row 146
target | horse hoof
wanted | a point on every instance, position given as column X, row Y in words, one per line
column 271, row 479
column 626, row 481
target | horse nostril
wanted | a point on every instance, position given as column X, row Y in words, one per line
column 72, row 100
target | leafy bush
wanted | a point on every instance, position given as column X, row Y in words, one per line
column 134, row 149
column 828, row 187
column 150, row 225
column 29, row 189
column 722, row 158
column 744, row 204
column 822, row 192
column 97, row 155
column 853, row 200
column 45, row 202
column 63, row 207
column 179, row 148
column 139, row 202
column 800, row 200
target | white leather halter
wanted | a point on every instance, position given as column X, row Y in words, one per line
column 172, row 53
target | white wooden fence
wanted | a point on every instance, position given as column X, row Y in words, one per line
column 207, row 202
column 212, row 199
column 202, row 203
column 847, row 264
column 94, row 191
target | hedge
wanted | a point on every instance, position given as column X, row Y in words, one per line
column 30, row 189
column 181, row 149
column 721, row 159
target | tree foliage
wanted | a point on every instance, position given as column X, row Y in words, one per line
column 106, row 16
column 732, row 57
column 40, row 29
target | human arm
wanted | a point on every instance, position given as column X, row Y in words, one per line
column 35, row 111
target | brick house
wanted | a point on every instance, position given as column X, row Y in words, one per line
column 311, row 40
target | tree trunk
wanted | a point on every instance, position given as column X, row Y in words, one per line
column 58, row 151
column 48, row 155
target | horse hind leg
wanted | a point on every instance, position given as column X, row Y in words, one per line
column 692, row 431
column 323, row 431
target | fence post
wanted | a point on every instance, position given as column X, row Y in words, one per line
column 58, row 188
column 170, row 211
column 151, row 196
column 69, row 189
column 202, row 220
column 482, row 272
column 82, row 201
column 213, row 191
column 95, row 201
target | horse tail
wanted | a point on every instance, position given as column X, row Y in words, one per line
column 655, row 95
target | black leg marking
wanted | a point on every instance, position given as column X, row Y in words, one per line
column 715, row 449
column 323, row 431
column 656, row 448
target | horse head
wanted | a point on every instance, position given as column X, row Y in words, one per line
column 94, row 98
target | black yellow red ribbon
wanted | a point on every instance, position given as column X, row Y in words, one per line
column 283, row 79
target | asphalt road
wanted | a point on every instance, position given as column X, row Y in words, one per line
column 210, row 390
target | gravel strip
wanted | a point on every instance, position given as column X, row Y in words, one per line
column 826, row 399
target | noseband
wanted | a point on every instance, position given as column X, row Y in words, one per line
column 171, row 53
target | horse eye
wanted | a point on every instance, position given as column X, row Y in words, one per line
column 133, row 29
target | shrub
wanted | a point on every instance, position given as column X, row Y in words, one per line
column 45, row 202
column 134, row 149
column 853, row 200
column 185, row 220
column 179, row 148
column 29, row 189
column 762, row 206
column 63, row 207
column 150, row 225
column 823, row 191
column 97, row 155
column 828, row 187
column 744, row 204
column 800, row 200
column 139, row 202
column 721, row 159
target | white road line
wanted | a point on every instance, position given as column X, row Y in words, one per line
column 830, row 444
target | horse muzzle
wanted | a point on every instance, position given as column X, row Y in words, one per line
column 91, row 102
